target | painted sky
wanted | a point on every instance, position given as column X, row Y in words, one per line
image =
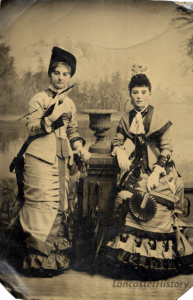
column 105, row 36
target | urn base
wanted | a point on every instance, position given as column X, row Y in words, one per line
column 100, row 147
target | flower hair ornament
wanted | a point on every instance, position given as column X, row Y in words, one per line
column 140, row 69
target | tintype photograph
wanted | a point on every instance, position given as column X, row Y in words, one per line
column 96, row 139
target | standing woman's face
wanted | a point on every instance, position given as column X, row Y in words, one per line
column 60, row 77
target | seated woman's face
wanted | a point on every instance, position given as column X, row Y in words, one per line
column 60, row 77
column 140, row 97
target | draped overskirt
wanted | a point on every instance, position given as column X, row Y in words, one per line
column 42, row 216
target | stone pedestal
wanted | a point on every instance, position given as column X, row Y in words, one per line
column 97, row 189
column 96, row 196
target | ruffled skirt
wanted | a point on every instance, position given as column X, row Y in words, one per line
column 156, row 247
column 140, row 251
column 57, row 259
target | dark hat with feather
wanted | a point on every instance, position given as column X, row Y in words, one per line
column 61, row 55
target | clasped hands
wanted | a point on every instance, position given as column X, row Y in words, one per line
column 125, row 164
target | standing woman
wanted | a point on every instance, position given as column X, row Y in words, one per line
column 52, row 125
column 148, row 237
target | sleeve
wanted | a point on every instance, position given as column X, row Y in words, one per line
column 72, row 129
column 166, row 148
column 120, row 136
column 36, row 122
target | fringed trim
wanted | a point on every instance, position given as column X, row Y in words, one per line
column 149, row 264
column 145, row 253
column 144, row 247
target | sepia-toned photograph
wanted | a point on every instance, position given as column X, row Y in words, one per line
column 96, row 149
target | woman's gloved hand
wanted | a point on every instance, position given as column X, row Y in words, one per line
column 123, row 161
column 83, row 153
column 153, row 180
column 58, row 110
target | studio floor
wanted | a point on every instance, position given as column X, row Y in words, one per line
column 74, row 284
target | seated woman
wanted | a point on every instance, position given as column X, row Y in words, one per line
column 52, row 128
column 149, row 236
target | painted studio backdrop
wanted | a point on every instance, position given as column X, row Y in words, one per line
column 107, row 39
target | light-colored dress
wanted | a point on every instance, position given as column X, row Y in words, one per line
column 46, row 183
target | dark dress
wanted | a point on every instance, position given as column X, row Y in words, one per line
column 148, row 237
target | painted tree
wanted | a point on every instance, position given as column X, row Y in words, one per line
column 184, row 24
column 103, row 93
column 8, row 79
column 119, row 93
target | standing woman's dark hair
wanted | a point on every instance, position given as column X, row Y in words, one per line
column 52, row 127
column 53, row 67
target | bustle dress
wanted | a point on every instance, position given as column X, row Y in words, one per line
column 148, row 238
column 48, row 160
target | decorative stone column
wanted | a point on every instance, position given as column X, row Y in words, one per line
column 97, row 190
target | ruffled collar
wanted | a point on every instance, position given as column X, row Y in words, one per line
column 137, row 126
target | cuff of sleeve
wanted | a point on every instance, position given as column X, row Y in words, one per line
column 162, row 160
column 116, row 149
column 77, row 139
column 48, row 122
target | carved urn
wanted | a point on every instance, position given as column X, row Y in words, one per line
column 100, row 122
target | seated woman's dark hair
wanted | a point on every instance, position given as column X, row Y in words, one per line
column 139, row 80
